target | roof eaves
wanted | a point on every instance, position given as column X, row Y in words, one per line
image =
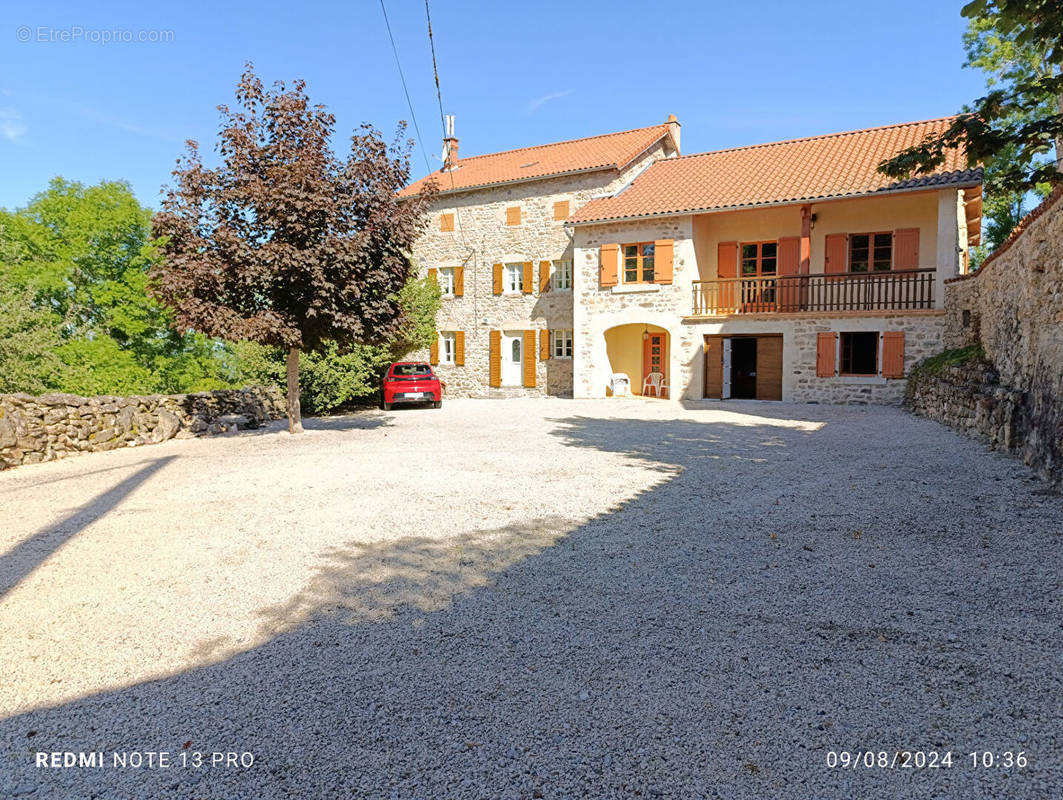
column 529, row 179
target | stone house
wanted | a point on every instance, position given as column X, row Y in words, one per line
column 784, row 271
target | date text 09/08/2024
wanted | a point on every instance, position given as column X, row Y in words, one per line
column 926, row 759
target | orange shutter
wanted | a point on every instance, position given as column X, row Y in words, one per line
column 836, row 255
column 529, row 358
column 495, row 364
column 433, row 350
column 544, row 345
column 826, row 345
column 459, row 281
column 544, row 276
column 727, row 260
column 446, row 222
column 526, row 283
column 561, row 209
column 513, row 215
column 906, row 248
column 610, row 256
column 789, row 255
column 433, row 275
column 893, row 354
column 459, row 348
column 662, row 260
column 498, row 279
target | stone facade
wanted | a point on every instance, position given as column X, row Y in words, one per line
column 53, row 426
column 481, row 238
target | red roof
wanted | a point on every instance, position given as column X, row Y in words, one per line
column 610, row 151
column 814, row 168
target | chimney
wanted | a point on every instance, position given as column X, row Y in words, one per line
column 673, row 123
column 450, row 145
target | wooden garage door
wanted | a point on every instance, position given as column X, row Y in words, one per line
column 769, row 367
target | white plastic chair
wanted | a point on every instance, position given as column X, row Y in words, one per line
column 621, row 385
column 653, row 381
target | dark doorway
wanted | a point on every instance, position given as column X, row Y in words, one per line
column 743, row 367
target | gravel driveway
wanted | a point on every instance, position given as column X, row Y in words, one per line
column 535, row 598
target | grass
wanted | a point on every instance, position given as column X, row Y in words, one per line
column 949, row 358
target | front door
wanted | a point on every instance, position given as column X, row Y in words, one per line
column 512, row 358
column 654, row 357
column 743, row 367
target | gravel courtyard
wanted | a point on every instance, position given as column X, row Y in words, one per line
column 536, row 598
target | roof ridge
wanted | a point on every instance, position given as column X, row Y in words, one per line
column 810, row 138
column 563, row 141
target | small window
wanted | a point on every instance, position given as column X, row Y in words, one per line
column 760, row 259
column 870, row 252
column 513, row 215
column 859, row 353
column 513, row 278
column 446, row 348
column 638, row 262
column 446, row 280
column 515, row 351
column 561, row 346
column 446, row 222
column 561, row 210
column 562, row 277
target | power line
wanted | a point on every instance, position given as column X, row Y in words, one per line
column 413, row 116
column 435, row 69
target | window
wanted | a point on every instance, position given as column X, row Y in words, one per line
column 870, row 252
column 411, row 369
column 513, row 215
column 638, row 262
column 513, row 278
column 562, row 277
column 561, row 344
column 446, row 223
column 859, row 353
column 561, row 210
column 759, row 259
column 446, row 348
column 446, row 280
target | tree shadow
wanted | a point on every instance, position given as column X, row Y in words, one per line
column 30, row 553
column 715, row 636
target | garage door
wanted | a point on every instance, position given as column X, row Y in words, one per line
column 767, row 367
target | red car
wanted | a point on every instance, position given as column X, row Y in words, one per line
column 411, row 382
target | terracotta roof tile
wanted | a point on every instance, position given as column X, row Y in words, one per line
column 612, row 150
column 819, row 167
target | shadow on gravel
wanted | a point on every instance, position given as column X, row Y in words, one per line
column 27, row 555
column 789, row 592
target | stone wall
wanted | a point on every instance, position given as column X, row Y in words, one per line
column 52, row 426
column 1013, row 307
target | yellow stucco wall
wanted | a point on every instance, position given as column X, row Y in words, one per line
column 624, row 346
column 862, row 215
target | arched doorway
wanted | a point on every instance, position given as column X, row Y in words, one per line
column 641, row 352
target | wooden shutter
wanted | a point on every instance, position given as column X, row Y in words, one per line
column 662, row 260
column 446, row 223
column 495, row 359
column 893, row 354
column 610, row 257
column 544, row 276
column 459, row 348
column 826, row 348
column 789, row 255
column 714, row 367
column 769, row 368
column 544, row 345
column 513, row 215
column 459, row 281
column 526, row 283
column 906, row 248
column 433, row 350
column 727, row 260
column 497, row 282
column 561, row 209
column 433, row 275
column 529, row 358
column 836, row 253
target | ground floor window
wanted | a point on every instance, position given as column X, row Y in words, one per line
column 446, row 348
column 562, row 343
column 859, row 353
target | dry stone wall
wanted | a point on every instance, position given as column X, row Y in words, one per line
column 52, row 426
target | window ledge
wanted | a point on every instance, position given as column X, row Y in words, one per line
column 636, row 288
column 872, row 380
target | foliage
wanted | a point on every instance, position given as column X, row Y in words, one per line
column 1016, row 124
column 949, row 358
column 29, row 339
column 285, row 244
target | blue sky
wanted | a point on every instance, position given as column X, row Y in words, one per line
column 513, row 74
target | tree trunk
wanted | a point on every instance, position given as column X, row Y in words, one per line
column 295, row 418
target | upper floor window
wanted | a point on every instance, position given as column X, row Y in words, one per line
column 446, row 280
column 446, row 223
column 561, row 210
column 562, row 343
column 638, row 262
column 513, row 215
column 759, row 259
column 446, row 348
column 513, row 278
column 870, row 252
column 562, row 277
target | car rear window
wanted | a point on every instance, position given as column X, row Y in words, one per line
column 411, row 369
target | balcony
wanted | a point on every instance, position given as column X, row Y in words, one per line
column 791, row 294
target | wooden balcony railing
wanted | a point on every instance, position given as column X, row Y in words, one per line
column 845, row 291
